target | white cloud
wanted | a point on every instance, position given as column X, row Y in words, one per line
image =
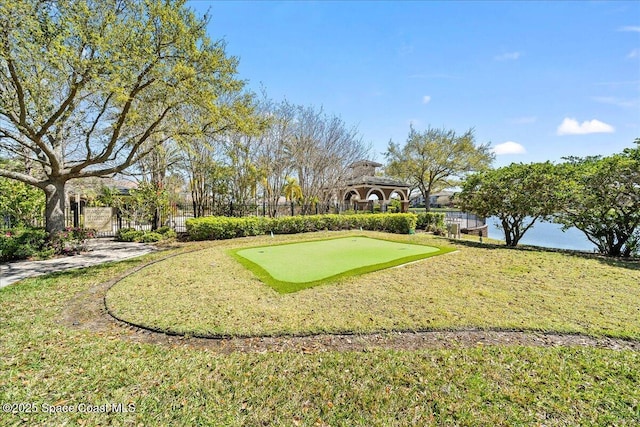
column 508, row 147
column 630, row 28
column 426, row 99
column 510, row 56
column 633, row 54
column 571, row 126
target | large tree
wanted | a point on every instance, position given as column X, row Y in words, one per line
column 321, row 149
column 207, row 178
column 518, row 195
column 603, row 200
column 273, row 157
column 88, row 88
column 436, row 159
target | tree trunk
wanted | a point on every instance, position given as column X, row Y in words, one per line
column 426, row 194
column 56, row 205
column 157, row 219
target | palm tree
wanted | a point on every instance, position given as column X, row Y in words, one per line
column 292, row 190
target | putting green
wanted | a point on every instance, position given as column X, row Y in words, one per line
column 295, row 266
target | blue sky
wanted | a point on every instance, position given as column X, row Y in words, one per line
column 539, row 80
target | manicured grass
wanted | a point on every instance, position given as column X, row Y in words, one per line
column 44, row 361
column 295, row 266
column 483, row 286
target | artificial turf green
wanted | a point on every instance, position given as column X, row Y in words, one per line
column 295, row 266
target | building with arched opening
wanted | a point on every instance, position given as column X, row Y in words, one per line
column 363, row 190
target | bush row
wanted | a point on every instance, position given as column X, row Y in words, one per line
column 22, row 243
column 144, row 236
column 430, row 221
column 215, row 228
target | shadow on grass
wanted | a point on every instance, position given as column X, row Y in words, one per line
column 88, row 272
column 629, row 263
column 92, row 269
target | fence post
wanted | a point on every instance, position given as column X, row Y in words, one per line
column 76, row 215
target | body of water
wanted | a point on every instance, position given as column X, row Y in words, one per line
column 548, row 235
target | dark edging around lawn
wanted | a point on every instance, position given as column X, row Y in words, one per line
column 353, row 341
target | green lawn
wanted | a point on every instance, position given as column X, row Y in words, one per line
column 208, row 293
column 45, row 360
column 295, row 266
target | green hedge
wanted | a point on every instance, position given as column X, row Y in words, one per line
column 22, row 243
column 430, row 221
column 144, row 236
column 216, row 228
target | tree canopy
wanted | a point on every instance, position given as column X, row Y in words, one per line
column 518, row 195
column 603, row 200
column 434, row 159
column 598, row 195
column 88, row 88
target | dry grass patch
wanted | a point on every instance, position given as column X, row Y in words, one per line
column 208, row 293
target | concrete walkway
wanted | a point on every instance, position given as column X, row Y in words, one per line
column 100, row 251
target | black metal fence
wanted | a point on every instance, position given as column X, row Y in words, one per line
column 177, row 214
column 464, row 219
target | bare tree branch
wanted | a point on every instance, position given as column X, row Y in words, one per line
column 21, row 177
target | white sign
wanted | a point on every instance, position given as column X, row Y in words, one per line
column 98, row 219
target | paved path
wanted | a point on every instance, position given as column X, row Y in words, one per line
column 100, row 251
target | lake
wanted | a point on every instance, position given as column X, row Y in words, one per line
column 548, row 235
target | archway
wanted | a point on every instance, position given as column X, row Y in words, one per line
column 375, row 194
column 352, row 196
column 375, row 200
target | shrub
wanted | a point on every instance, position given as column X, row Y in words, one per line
column 220, row 227
column 129, row 235
column 438, row 230
column 133, row 235
column 252, row 226
column 216, row 228
column 394, row 206
column 167, row 232
column 400, row 224
column 171, row 234
column 430, row 221
column 151, row 236
column 22, row 243
column 71, row 240
column 290, row 225
column 164, row 229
